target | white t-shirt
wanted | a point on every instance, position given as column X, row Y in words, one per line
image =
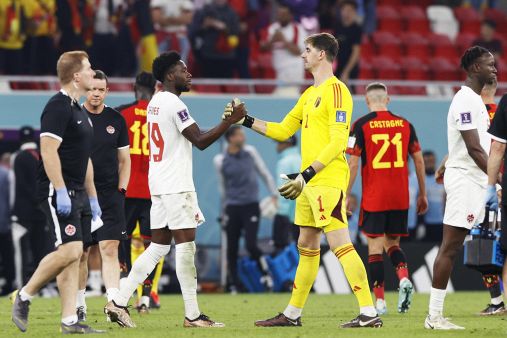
column 172, row 9
column 288, row 67
column 103, row 25
column 467, row 112
column 170, row 152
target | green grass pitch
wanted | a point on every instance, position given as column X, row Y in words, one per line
column 321, row 317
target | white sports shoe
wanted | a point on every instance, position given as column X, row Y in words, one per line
column 381, row 307
column 440, row 323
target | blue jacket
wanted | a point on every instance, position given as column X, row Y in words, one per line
column 289, row 162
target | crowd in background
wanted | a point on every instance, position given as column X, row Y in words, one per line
column 218, row 38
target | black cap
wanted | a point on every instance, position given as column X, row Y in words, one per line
column 26, row 134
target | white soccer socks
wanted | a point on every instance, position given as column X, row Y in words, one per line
column 142, row 267
column 187, row 277
column 437, row 297
column 81, row 299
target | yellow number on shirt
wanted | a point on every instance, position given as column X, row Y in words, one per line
column 137, row 147
column 397, row 142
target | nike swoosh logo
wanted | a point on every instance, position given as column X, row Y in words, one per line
column 367, row 322
column 123, row 232
column 293, row 322
column 431, row 326
column 79, row 122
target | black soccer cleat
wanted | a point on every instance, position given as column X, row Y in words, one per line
column 491, row 310
column 279, row 320
column 81, row 314
column 20, row 310
column 78, row 328
column 363, row 321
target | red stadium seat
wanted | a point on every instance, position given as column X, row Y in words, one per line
column 389, row 19
column 415, row 45
column 236, row 89
column 386, row 68
column 442, row 46
column 469, row 20
column 415, row 19
column 464, row 41
column 499, row 17
column 365, row 70
column 501, row 67
column 442, row 69
column 393, row 3
column 387, row 44
column 367, row 48
column 414, row 69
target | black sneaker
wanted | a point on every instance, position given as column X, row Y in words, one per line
column 78, row 328
column 279, row 320
column 81, row 314
column 363, row 321
column 493, row 310
column 20, row 311
column 143, row 309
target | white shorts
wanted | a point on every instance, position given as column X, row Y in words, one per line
column 175, row 211
column 465, row 205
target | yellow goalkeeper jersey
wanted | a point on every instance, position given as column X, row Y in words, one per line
column 323, row 113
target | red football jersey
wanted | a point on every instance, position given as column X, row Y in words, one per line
column 383, row 140
column 135, row 116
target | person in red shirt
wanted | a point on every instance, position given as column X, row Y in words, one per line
column 138, row 198
column 383, row 142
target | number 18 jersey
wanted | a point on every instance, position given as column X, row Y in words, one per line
column 383, row 140
column 170, row 152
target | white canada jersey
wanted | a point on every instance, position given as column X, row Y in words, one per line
column 467, row 112
column 170, row 152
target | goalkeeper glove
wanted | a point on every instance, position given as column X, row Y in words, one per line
column 296, row 182
column 247, row 121
column 491, row 198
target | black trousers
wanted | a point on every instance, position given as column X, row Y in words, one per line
column 35, row 245
column 7, row 259
column 284, row 232
column 239, row 218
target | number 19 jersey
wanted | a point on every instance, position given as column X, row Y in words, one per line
column 170, row 152
column 383, row 140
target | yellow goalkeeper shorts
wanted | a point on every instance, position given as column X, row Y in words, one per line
column 321, row 207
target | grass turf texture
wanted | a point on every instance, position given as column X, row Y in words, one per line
column 321, row 318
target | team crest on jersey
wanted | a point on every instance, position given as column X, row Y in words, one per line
column 110, row 129
column 341, row 116
column 466, row 117
column 470, row 218
column 70, row 230
column 183, row 115
column 317, row 102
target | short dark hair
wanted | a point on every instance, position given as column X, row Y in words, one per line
column 429, row 153
column 348, row 3
column 490, row 23
column 471, row 55
column 146, row 80
column 163, row 64
column 231, row 131
column 325, row 42
column 376, row 85
column 100, row 75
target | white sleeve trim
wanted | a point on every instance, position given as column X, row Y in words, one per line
column 124, row 147
column 496, row 138
column 56, row 137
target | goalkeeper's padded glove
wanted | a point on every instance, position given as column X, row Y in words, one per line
column 247, row 121
column 296, row 182
column 491, row 198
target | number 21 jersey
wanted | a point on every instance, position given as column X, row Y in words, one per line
column 383, row 140
column 170, row 152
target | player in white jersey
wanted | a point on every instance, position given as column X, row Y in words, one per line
column 175, row 212
column 465, row 177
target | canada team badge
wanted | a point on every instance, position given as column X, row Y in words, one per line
column 70, row 230
column 110, row 129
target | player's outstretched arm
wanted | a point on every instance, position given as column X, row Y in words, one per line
column 203, row 140
column 422, row 200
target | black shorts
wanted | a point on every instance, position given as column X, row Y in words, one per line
column 72, row 228
column 378, row 224
column 138, row 210
column 112, row 204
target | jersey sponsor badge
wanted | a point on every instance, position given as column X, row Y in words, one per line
column 466, row 117
column 352, row 142
column 183, row 115
column 317, row 102
column 341, row 116
column 70, row 230
column 110, row 129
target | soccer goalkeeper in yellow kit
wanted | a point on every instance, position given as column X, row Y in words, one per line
column 323, row 112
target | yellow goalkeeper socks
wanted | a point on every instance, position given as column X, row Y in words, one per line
column 306, row 273
column 356, row 275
